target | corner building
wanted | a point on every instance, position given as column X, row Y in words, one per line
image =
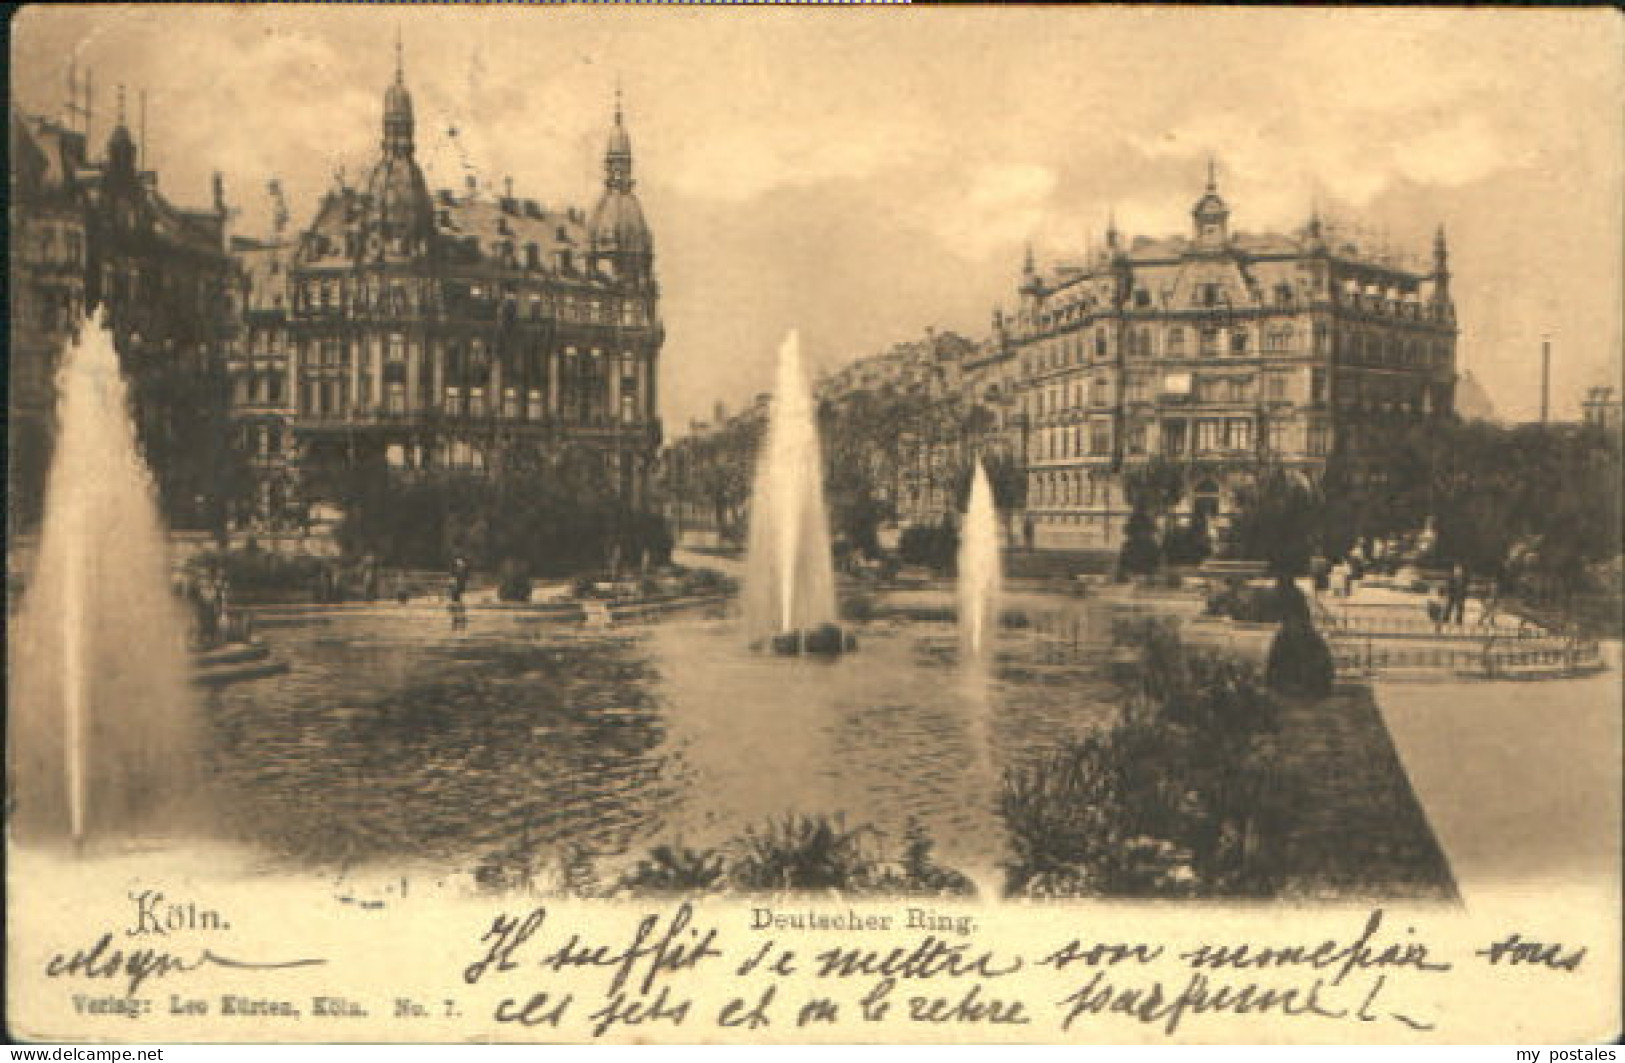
column 425, row 333
column 93, row 231
column 1223, row 352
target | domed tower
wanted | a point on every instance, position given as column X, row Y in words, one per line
column 620, row 237
column 400, row 217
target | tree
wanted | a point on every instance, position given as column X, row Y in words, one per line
column 1277, row 521
column 1152, row 489
column 1140, row 555
column 1156, row 486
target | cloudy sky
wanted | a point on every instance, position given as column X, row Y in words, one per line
column 864, row 174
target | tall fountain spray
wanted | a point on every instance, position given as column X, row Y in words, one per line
column 789, row 575
column 979, row 570
column 100, row 700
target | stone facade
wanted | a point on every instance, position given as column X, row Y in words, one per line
column 1220, row 351
column 425, row 333
column 89, row 232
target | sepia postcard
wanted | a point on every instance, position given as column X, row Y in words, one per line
column 782, row 524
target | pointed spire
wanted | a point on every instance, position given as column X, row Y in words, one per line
column 398, row 122
column 1212, row 174
column 1027, row 265
column 618, row 156
column 121, row 103
column 1111, row 230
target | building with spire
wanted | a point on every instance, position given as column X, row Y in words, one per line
column 1222, row 351
column 418, row 333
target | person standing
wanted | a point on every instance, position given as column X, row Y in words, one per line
column 455, row 587
column 1455, row 596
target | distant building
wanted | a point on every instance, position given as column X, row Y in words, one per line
column 1221, row 351
column 1472, row 401
column 89, row 231
column 413, row 333
column 1604, row 409
column 928, row 378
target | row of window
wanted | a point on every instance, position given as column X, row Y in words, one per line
column 332, row 398
column 258, row 388
column 463, row 299
column 1178, row 341
column 1074, row 488
column 1179, row 438
column 55, row 245
column 333, row 352
column 1276, row 387
column 1365, row 348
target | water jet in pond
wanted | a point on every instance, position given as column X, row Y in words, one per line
column 789, row 575
column 100, row 707
column 979, row 577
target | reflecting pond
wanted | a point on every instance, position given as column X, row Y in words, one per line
column 396, row 736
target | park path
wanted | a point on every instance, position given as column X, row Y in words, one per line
column 1521, row 780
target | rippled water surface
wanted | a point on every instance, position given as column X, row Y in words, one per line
column 396, row 737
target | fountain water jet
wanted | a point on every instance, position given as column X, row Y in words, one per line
column 100, row 706
column 979, row 577
column 978, row 587
column 789, row 574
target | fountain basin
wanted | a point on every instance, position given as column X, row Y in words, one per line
column 235, row 663
column 826, row 640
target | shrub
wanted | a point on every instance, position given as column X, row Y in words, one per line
column 919, row 871
column 799, row 853
column 1187, row 543
column 675, row 869
column 931, row 546
column 1182, row 796
column 804, row 853
column 1300, row 662
column 1140, row 555
column 515, row 584
column 258, row 576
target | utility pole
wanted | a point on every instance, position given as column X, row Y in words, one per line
column 1545, row 377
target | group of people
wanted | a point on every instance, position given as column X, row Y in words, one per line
column 1447, row 602
column 1341, row 576
column 209, row 597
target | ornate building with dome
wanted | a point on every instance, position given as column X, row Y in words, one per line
column 420, row 333
column 1221, row 351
